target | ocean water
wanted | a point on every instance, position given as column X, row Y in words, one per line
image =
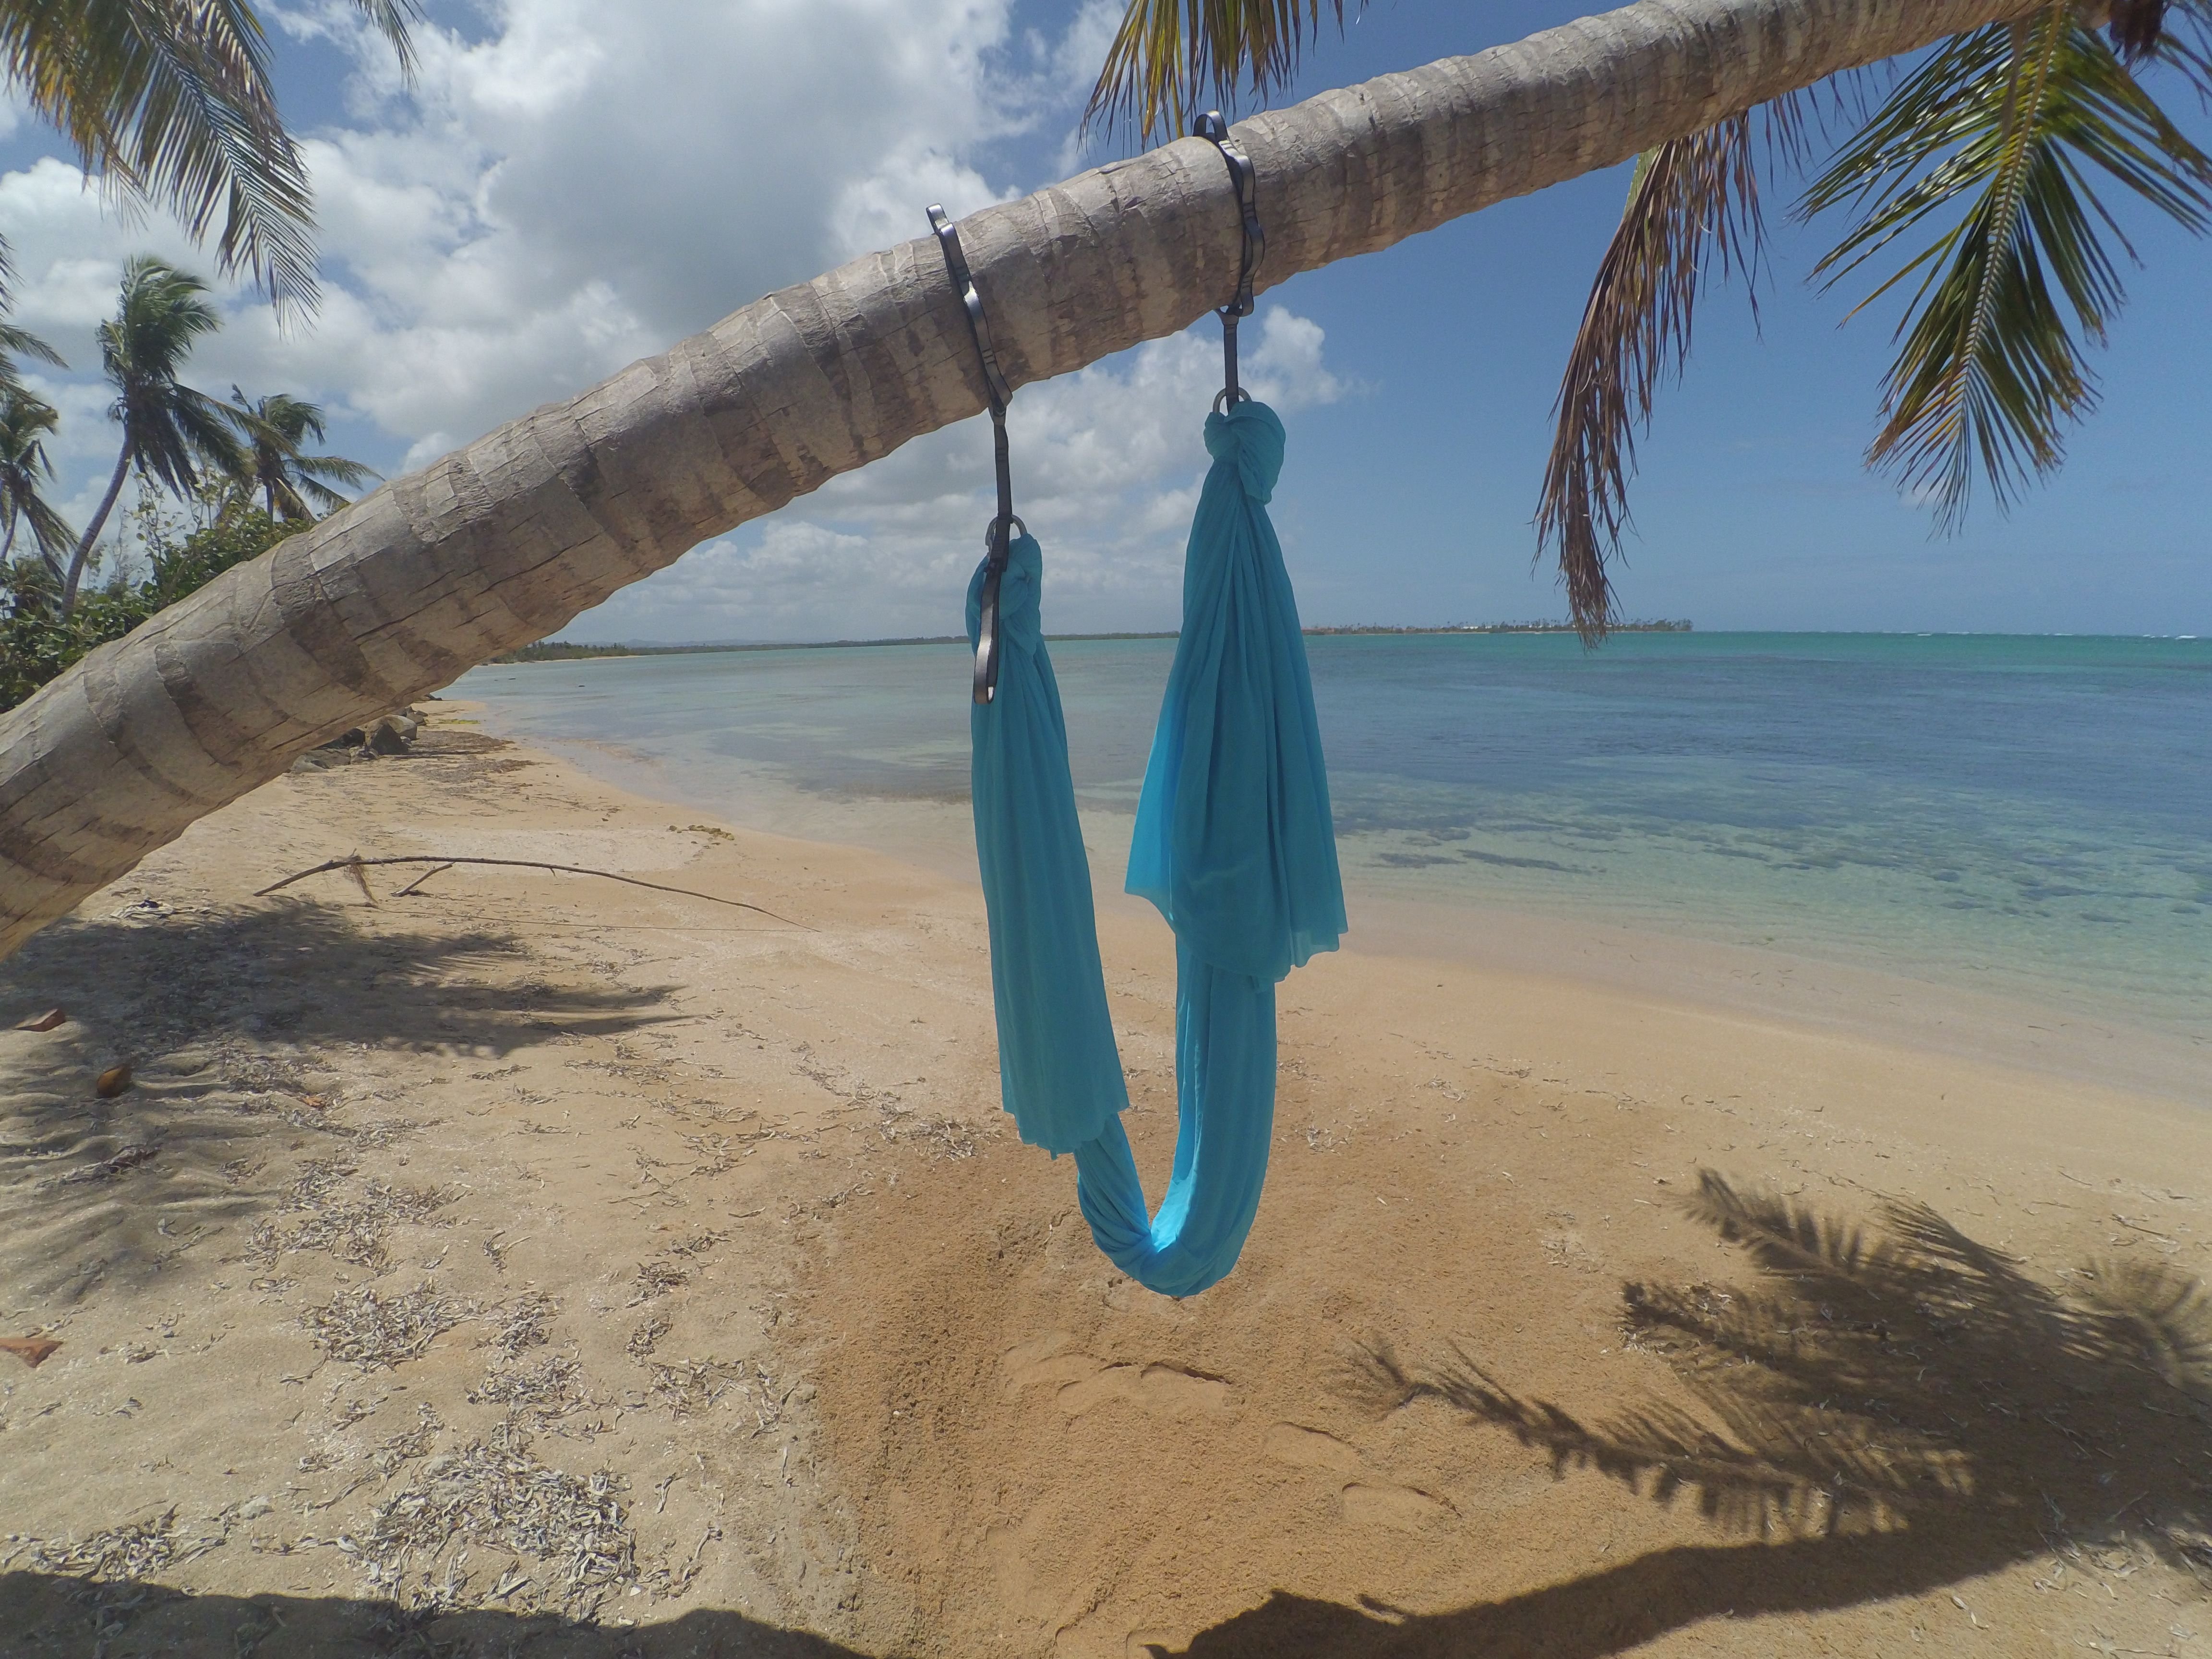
column 2029, row 817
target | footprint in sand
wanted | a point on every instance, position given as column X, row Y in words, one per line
column 1366, row 1502
column 1310, row 1448
column 1080, row 1380
column 1167, row 1390
column 1402, row 1508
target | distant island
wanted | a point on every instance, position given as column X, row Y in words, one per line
column 563, row 651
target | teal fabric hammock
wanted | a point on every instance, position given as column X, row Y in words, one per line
column 1233, row 843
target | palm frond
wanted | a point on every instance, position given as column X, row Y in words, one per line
column 198, row 420
column 49, row 530
column 18, row 341
column 2005, row 127
column 2135, row 26
column 393, row 19
column 2182, row 43
column 27, row 421
column 171, row 102
column 1691, row 202
column 314, row 470
column 1172, row 59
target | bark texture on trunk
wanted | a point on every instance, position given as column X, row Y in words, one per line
column 504, row 541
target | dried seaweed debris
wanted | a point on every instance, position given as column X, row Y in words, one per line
column 363, row 1328
column 494, row 1495
column 552, row 1388
column 521, row 1323
column 130, row 1552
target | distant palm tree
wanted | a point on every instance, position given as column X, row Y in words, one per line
column 169, row 430
column 26, row 420
column 170, row 102
column 292, row 486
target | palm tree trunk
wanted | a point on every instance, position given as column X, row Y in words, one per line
column 92, row 533
column 503, row 542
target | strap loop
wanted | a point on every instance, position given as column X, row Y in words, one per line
column 1245, row 177
column 998, row 537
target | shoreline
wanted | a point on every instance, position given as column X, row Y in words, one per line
column 701, row 1240
column 2079, row 1045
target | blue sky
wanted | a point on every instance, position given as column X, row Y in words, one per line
column 552, row 201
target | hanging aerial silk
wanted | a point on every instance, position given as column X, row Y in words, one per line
column 1233, row 843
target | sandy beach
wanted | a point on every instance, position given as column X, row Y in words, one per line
column 528, row 1263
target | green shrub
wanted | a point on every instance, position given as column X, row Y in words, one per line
column 36, row 645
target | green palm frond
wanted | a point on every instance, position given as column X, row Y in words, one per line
column 170, row 100
column 2006, row 127
column 393, row 20
column 17, row 342
column 1172, row 59
column 1691, row 201
column 27, row 421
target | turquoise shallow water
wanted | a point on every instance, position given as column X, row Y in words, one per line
column 2031, row 817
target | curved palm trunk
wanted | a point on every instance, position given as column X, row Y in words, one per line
column 503, row 542
column 85, row 543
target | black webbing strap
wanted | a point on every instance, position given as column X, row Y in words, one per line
column 998, row 538
column 1246, row 180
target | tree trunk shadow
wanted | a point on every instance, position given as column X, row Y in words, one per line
column 68, row 1617
column 1615, row 1610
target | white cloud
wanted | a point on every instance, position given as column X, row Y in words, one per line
column 1107, row 464
column 556, row 197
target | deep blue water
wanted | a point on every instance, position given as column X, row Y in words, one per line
column 2024, row 814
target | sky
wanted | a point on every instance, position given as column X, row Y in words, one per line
column 554, row 197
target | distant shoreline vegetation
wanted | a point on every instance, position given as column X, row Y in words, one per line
column 1662, row 625
column 563, row 651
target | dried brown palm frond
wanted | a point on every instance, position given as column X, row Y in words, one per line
column 1692, row 202
column 1171, row 59
column 2135, row 26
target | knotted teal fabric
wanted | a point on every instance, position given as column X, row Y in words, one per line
column 1233, row 843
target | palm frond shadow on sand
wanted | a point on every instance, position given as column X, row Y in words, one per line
column 1891, row 1407
column 219, row 1011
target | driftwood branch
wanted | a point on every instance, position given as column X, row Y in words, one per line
column 355, row 864
column 425, row 876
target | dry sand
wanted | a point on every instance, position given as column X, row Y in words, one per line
column 533, row 1264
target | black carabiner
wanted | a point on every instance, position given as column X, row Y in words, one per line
column 1245, row 177
column 999, row 538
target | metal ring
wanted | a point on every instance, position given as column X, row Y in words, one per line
column 1226, row 396
column 991, row 529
